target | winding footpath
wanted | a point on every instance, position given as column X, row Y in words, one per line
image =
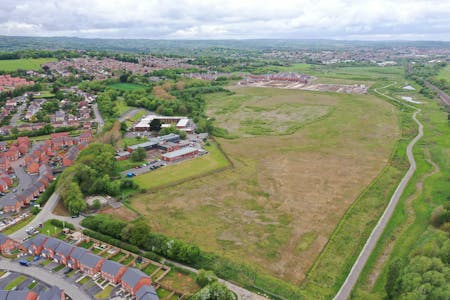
column 352, row 277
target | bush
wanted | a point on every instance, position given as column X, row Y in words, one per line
column 204, row 277
column 60, row 224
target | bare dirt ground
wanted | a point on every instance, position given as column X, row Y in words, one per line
column 321, row 87
column 276, row 209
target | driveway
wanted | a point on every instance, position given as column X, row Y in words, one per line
column 47, row 277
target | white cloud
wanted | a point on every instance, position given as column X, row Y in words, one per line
column 193, row 19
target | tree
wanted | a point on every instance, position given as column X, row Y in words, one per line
column 35, row 210
column 73, row 199
column 204, row 277
column 393, row 274
column 138, row 155
column 214, row 291
column 155, row 125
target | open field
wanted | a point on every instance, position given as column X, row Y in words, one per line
column 444, row 73
column 301, row 159
column 24, row 64
column 127, row 87
column 168, row 175
column 343, row 75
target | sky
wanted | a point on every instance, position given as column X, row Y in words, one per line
column 229, row 19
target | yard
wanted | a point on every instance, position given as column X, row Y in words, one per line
column 105, row 293
column 49, row 229
column 23, row 64
column 181, row 282
column 86, row 245
column 300, row 160
column 185, row 170
column 150, row 269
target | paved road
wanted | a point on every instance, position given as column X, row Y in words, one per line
column 353, row 276
column 41, row 217
column 16, row 117
column 131, row 113
column 48, row 277
column 98, row 117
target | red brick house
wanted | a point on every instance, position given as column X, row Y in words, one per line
column 50, row 246
column 112, row 271
column 12, row 154
column 3, row 186
column 90, row 263
column 133, row 279
column 86, row 136
column 75, row 256
column 33, row 168
column 4, row 163
column 62, row 252
column 71, row 155
column 7, row 244
column 35, row 245
column 12, row 204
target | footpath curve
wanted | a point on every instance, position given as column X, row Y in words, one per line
column 352, row 277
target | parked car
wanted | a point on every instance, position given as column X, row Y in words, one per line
column 24, row 262
column 129, row 175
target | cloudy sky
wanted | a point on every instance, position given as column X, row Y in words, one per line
column 223, row 19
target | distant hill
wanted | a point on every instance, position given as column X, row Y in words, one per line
column 14, row 43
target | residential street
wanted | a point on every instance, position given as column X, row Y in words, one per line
column 48, row 277
column 371, row 242
column 98, row 117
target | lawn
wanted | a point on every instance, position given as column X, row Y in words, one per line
column 127, row 87
column 118, row 256
column 123, row 165
column 183, row 171
column 49, row 229
column 58, row 268
column 290, row 185
column 86, row 245
column 23, row 64
column 84, row 280
column 18, row 226
column 162, row 293
column 181, row 282
column 127, row 260
column 12, row 284
column 105, row 293
column 150, row 269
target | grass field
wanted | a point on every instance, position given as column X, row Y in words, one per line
column 23, row 64
column 169, row 175
column 127, row 87
column 409, row 226
column 301, row 159
column 444, row 73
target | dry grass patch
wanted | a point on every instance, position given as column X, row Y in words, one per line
column 277, row 208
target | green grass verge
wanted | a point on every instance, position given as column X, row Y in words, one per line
column 17, row 226
column 12, row 284
column 185, row 170
column 24, row 64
